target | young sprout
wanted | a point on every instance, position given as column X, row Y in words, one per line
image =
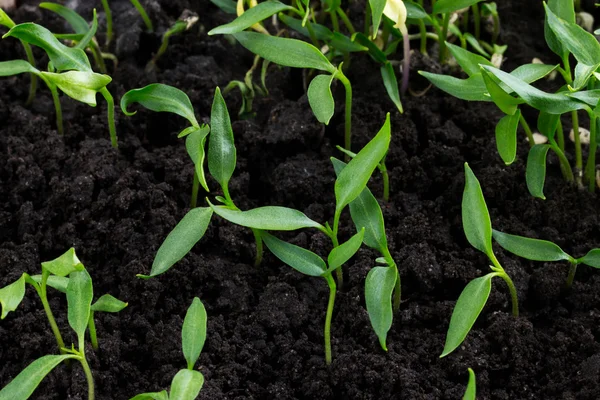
column 490, row 10
column 184, row 23
column 478, row 230
column 187, row 383
column 543, row 250
column 471, row 391
column 68, row 275
column 75, row 63
column 109, row 20
column 382, row 169
column 6, row 21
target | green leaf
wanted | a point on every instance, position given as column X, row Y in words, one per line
column 24, row 384
column 344, row 44
column 448, row 6
column 194, row 144
column 221, row 148
column 469, row 62
column 59, row 283
column 186, row 385
column 552, row 103
column 506, row 137
column 321, row 31
column 468, row 307
column 160, row 98
column 532, row 72
column 180, row 241
column 302, row 260
column 391, row 84
column 89, row 35
column 415, row 10
column 250, row 17
column 193, row 333
column 81, row 86
column 354, row 177
column 472, row 40
column 535, row 172
column 475, row 215
column 470, row 89
column 63, row 58
column 531, row 249
column 374, row 51
column 379, row 287
column 286, row 52
column 342, row 253
column 592, row 258
column 471, row 391
column 320, row 98
column 269, row 218
column 377, row 7
column 80, row 294
column 108, row 303
column 228, row 6
column 366, row 213
column 152, row 396
column 547, row 124
column 76, row 21
column 15, row 67
column 11, row 296
column 503, row 100
column 589, row 97
column 65, row 264
column 5, row 19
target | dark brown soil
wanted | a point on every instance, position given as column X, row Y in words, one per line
column 265, row 324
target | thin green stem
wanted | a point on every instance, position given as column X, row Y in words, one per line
column 93, row 334
column 109, row 22
column 334, row 21
column 311, row 33
column 97, row 54
column 339, row 274
column 88, row 374
column 496, row 29
column 397, row 290
column 428, row 35
column 43, row 296
column 443, row 36
column 33, row 77
column 386, row 180
column 527, row 130
column 476, row 20
column 259, row 247
column 560, row 136
column 348, row 117
column 111, row 116
column 577, row 140
column 571, row 276
column 511, row 286
column 368, row 17
column 328, row 317
column 195, row 188
column 590, row 167
column 57, row 108
column 423, row 37
column 142, row 12
column 346, row 20
column 564, row 162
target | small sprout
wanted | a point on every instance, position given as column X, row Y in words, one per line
column 187, row 383
column 109, row 21
column 184, row 23
column 471, row 391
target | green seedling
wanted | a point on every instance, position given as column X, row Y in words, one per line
column 543, row 250
column 109, row 21
column 471, row 391
column 184, row 23
column 382, row 169
column 84, row 36
column 248, row 89
column 6, row 21
column 73, row 61
column 68, row 275
column 478, row 230
column 188, row 382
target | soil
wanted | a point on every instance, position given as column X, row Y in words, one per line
column 265, row 328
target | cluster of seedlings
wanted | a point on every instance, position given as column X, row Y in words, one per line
column 324, row 57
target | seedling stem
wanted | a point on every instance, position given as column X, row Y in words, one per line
column 442, row 38
column 33, row 77
column 511, row 286
column 330, row 304
column 43, row 296
column 527, row 130
column 111, row 116
column 348, row 117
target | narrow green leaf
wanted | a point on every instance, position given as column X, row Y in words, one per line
column 506, row 137
column 470, row 89
column 108, row 303
column 354, row 177
column 80, row 294
column 15, row 67
column 59, row 283
column 152, row 396
column 469, row 62
column 589, row 97
column 228, row 6
column 182, row 238
column 250, row 17
column 379, row 287
column 374, row 51
column 186, row 385
column 377, row 7
column 592, row 258
column 320, row 98
column 366, row 213
column 468, row 307
column 24, row 384
column 302, row 260
column 547, row 124
column 11, row 296
column 471, row 392
column 391, row 84
column 583, row 73
column 63, row 58
column 415, row 10
column 194, row 144
column 532, row 72
column 342, row 253
column 286, row 52
column 321, row 31
column 503, row 100
column 76, row 21
column 5, row 20
column 344, row 44
column 81, row 86
column 89, row 35
column 531, row 249
column 270, row 218
column 475, row 215
column 221, row 148
column 552, row 103
column 193, row 333
column 161, row 98
column 448, row 6
column 472, row 40
column 65, row 264
column 535, row 172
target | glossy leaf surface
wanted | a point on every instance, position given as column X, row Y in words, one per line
column 531, row 249
column 535, row 172
column 506, row 137
column 379, row 287
column 193, row 333
column 250, row 17
column 186, row 385
column 15, row 67
column 342, row 253
column 108, row 303
column 11, row 296
column 302, row 260
column 592, row 258
column 221, row 148
column 475, row 216
column 320, row 98
column 64, row 264
column 80, row 293
column 81, row 86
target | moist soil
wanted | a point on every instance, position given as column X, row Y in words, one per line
column 265, row 327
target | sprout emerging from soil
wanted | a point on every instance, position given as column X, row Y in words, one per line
column 109, row 21
column 471, row 391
